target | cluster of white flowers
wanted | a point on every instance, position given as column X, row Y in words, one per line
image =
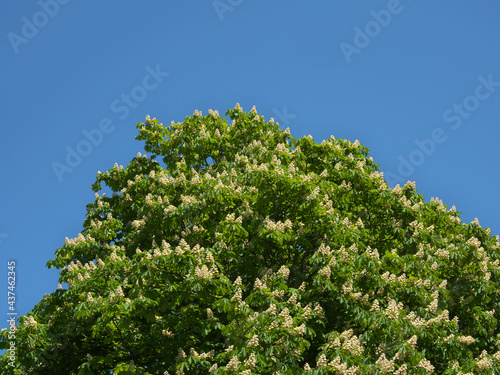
column 210, row 314
column 342, row 368
column 184, row 245
column 293, row 299
column 100, row 263
column 300, row 330
column 322, row 361
column 346, row 335
column 490, row 313
column 420, row 253
column 466, row 339
column 318, row 309
column 285, row 313
column 475, row 222
column 385, row 365
column 372, row 253
column 288, row 323
column 203, row 272
column 213, row 368
column 328, row 205
column 119, row 292
column 346, row 222
column 325, row 272
column 302, row 287
column 237, row 281
column 231, row 218
column 292, row 170
column 417, row 225
column 90, row 266
column 180, row 355
column 281, row 147
column 497, row 356
column 442, row 253
column 352, row 343
column 419, row 282
column 251, row 361
column 96, row 223
column 165, row 179
column 402, row 370
column 313, row 194
column 73, row 266
column 77, row 240
column 426, row 365
column 193, row 353
column 359, row 223
column 308, row 178
column 278, row 226
column 188, row 199
column 167, row 333
column 484, row 362
column 169, row 209
column 377, row 175
column 405, row 201
column 347, row 287
column 360, row 164
column 253, row 342
column 415, row 320
column 259, row 284
column 284, row 272
column 324, row 250
column 149, row 200
column 219, row 185
column 433, row 306
column 237, row 296
column 233, row 364
column 393, row 308
column 30, row 321
column 136, row 224
column 397, row 190
column 165, row 248
column 343, row 256
column 412, row 341
column 272, row 309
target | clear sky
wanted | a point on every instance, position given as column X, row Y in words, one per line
column 417, row 82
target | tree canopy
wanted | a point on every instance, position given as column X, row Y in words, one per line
column 235, row 248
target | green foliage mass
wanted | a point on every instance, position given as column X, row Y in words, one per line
column 244, row 250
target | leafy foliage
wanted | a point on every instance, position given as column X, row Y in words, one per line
column 251, row 251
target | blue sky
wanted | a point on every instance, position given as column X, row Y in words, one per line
column 417, row 82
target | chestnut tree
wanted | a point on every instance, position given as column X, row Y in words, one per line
column 235, row 248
